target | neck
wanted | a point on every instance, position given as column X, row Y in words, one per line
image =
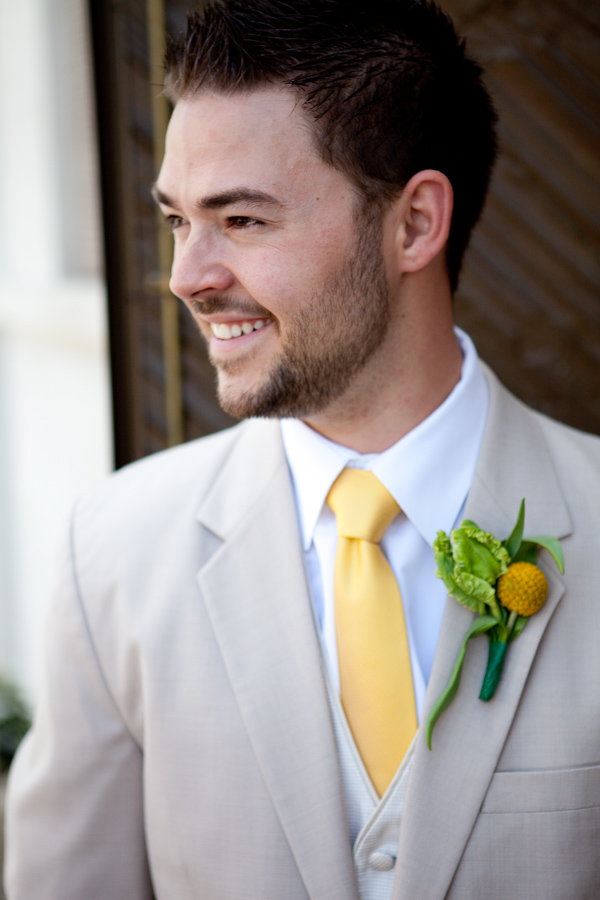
column 411, row 374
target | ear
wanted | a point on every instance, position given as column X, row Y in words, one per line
column 422, row 217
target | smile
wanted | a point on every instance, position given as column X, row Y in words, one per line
column 225, row 332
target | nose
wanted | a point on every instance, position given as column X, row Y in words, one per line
column 196, row 269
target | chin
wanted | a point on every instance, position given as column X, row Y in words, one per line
column 282, row 395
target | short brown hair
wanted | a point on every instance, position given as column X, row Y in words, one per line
column 388, row 83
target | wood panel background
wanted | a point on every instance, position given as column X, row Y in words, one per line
column 530, row 291
column 125, row 88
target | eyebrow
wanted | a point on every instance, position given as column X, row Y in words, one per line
column 245, row 196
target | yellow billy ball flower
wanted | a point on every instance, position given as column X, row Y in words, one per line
column 523, row 588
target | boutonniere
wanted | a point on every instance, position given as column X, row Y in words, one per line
column 498, row 580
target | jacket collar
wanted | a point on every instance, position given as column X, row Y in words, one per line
column 449, row 783
column 256, row 592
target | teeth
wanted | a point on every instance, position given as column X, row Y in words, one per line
column 226, row 332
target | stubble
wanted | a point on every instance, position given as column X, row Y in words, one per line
column 326, row 344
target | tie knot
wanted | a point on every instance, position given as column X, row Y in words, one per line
column 363, row 507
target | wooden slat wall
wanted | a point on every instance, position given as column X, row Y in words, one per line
column 530, row 292
column 125, row 132
column 124, row 94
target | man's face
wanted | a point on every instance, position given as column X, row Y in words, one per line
column 285, row 280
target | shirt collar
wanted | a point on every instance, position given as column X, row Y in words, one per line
column 428, row 471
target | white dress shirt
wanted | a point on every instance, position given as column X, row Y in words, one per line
column 429, row 473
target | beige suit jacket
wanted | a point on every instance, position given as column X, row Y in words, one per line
column 183, row 744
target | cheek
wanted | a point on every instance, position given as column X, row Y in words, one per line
column 266, row 276
column 275, row 276
column 285, row 274
column 303, row 263
column 284, row 288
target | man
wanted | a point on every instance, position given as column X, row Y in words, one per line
column 214, row 722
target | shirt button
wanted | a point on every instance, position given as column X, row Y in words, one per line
column 383, row 862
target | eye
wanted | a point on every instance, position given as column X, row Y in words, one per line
column 241, row 222
column 173, row 222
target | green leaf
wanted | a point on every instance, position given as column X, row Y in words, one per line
column 472, row 592
column 474, row 557
column 467, row 591
column 552, row 545
column 520, row 623
column 513, row 542
column 496, row 547
column 442, row 544
column 479, row 626
column 445, row 565
column 527, row 552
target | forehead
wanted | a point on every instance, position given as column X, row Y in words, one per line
column 260, row 138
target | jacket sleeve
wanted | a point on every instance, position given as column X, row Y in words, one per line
column 74, row 807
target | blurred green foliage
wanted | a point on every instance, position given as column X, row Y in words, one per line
column 14, row 721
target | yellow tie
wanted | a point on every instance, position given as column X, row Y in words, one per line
column 375, row 673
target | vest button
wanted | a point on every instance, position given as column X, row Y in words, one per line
column 383, row 862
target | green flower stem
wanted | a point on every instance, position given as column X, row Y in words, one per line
column 511, row 622
column 495, row 608
column 479, row 626
column 493, row 673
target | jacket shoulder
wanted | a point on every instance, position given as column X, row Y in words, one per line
column 570, row 440
column 167, row 485
column 556, row 467
column 186, row 467
column 566, row 443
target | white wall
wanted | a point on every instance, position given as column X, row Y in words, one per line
column 55, row 435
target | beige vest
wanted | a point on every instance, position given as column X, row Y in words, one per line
column 373, row 823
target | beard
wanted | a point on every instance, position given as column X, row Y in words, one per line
column 325, row 344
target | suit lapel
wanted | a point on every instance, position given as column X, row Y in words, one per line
column 255, row 590
column 449, row 783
